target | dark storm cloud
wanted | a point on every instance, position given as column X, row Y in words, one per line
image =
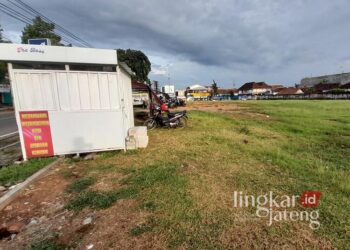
column 255, row 37
column 208, row 32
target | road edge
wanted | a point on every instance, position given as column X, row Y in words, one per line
column 12, row 194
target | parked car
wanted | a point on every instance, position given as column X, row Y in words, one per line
column 139, row 101
column 217, row 98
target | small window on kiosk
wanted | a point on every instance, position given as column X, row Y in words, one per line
column 101, row 68
column 39, row 66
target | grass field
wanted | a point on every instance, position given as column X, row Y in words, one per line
column 184, row 181
column 13, row 174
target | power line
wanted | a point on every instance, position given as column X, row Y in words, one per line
column 14, row 12
column 20, row 7
column 24, row 20
column 14, row 16
column 34, row 13
column 27, row 11
column 57, row 26
column 27, row 20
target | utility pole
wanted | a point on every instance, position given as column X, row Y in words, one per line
column 168, row 75
column 156, row 86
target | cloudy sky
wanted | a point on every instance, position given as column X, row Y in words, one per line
column 232, row 42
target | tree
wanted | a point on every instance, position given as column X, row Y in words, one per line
column 40, row 29
column 137, row 61
column 1, row 38
column 214, row 87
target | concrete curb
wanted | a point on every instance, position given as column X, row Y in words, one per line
column 11, row 195
column 4, row 109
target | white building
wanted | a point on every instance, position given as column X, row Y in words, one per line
column 181, row 94
column 198, row 92
column 69, row 100
column 169, row 89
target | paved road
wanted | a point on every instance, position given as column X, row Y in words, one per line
column 7, row 122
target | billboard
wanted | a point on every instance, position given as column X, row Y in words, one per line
column 36, row 133
column 39, row 41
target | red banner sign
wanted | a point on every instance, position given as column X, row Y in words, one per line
column 36, row 133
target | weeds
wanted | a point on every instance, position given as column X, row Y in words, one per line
column 244, row 130
column 140, row 229
column 46, row 245
column 150, row 206
column 99, row 200
column 67, row 173
column 101, row 168
column 16, row 173
column 109, row 154
column 301, row 146
column 80, row 185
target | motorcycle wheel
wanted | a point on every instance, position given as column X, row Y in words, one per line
column 182, row 123
column 150, row 124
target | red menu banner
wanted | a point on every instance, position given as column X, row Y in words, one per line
column 36, row 133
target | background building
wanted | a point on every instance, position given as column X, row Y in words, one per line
column 254, row 88
column 226, row 94
column 181, row 94
column 169, row 89
column 140, row 94
column 290, row 91
column 198, row 92
column 309, row 82
column 5, row 94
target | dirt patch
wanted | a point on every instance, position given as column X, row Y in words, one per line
column 213, row 107
column 252, row 234
column 234, row 110
column 113, row 226
column 39, row 213
column 35, row 208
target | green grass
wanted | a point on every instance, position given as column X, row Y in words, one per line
column 99, row 200
column 101, row 168
column 143, row 227
column 163, row 188
column 46, row 245
column 17, row 173
column 314, row 153
column 66, row 173
column 302, row 145
column 108, row 154
column 185, row 178
column 80, row 185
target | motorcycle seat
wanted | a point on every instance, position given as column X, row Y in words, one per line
column 176, row 113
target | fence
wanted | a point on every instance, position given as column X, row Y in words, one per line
column 323, row 96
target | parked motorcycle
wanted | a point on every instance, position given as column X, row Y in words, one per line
column 173, row 120
column 172, row 114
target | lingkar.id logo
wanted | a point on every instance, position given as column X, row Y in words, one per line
column 280, row 207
